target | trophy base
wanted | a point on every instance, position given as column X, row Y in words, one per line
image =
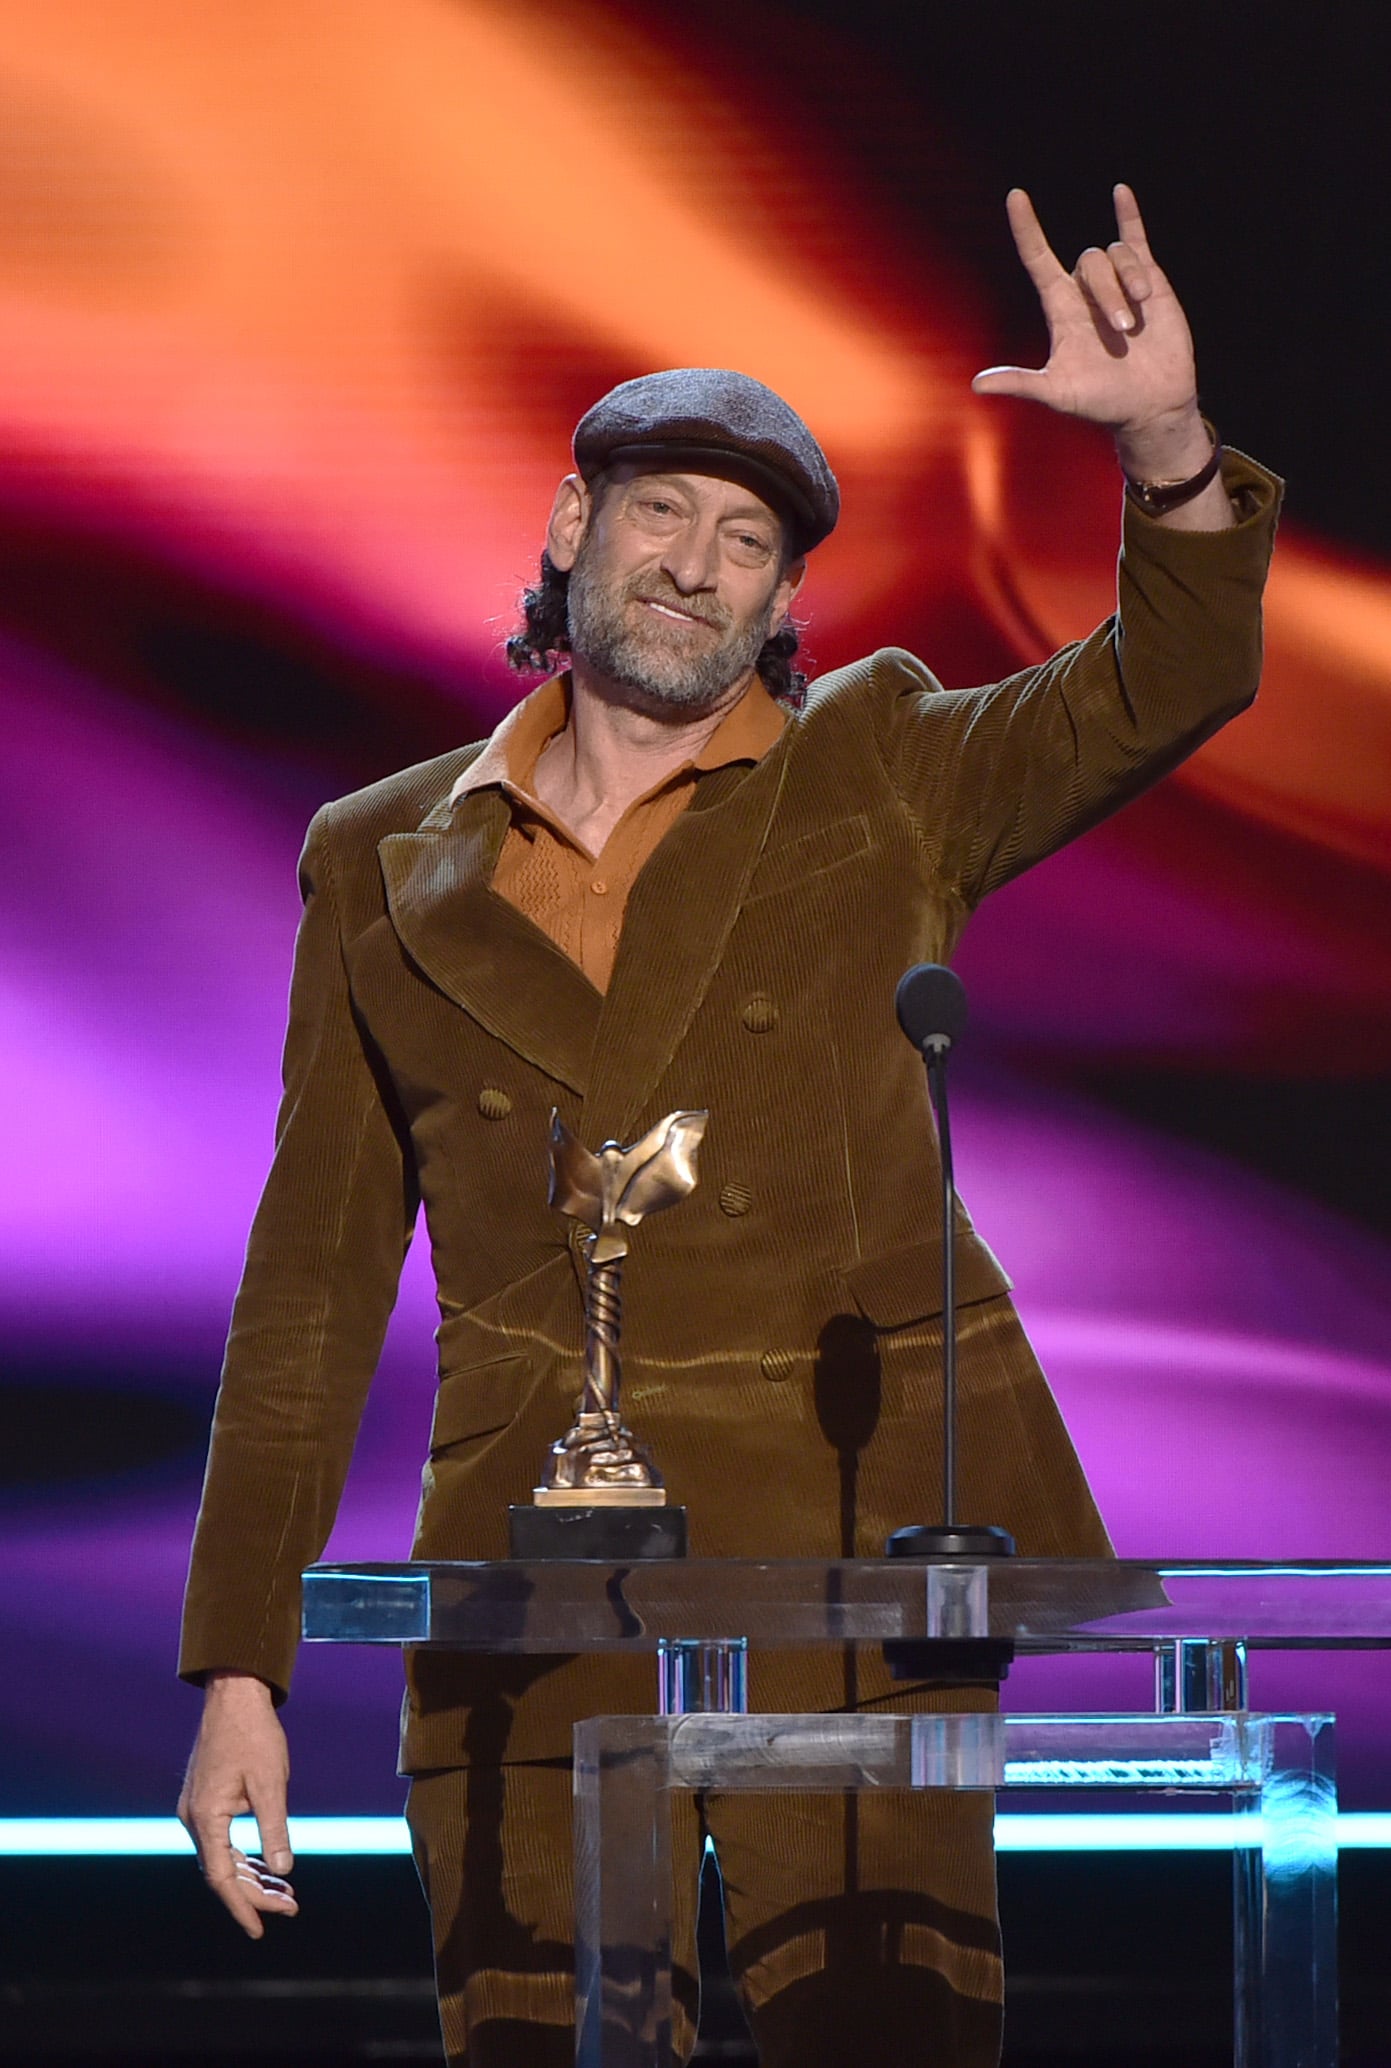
column 599, row 1496
column 615, row 1532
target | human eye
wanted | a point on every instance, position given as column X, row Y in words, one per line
column 658, row 510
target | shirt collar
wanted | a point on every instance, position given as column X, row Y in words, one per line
column 746, row 732
column 509, row 759
column 514, row 747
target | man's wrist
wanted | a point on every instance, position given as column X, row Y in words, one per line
column 1169, row 447
column 234, row 1683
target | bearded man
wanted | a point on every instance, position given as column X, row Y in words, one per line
column 666, row 881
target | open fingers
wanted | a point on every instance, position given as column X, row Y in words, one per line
column 267, row 1891
column 1041, row 262
column 1029, row 384
column 221, row 1865
column 1130, row 228
column 252, row 1869
column 1132, row 272
column 1105, row 287
column 268, row 1805
column 244, row 1883
column 247, row 1888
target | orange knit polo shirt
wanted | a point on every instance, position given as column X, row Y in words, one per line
column 576, row 897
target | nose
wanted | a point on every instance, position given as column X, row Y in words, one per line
column 690, row 558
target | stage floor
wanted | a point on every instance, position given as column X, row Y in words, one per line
column 1112, row 1962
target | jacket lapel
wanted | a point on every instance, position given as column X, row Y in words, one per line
column 479, row 950
column 679, row 916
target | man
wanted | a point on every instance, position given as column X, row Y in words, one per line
column 658, row 886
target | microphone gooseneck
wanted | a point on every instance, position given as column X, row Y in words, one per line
column 931, row 1005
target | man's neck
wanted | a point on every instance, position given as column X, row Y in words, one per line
column 610, row 754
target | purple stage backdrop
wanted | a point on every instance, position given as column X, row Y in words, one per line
column 297, row 308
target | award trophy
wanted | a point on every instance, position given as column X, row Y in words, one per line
column 601, row 1495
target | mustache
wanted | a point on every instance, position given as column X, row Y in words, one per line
column 643, row 590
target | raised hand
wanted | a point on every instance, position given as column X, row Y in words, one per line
column 1119, row 349
column 1119, row 353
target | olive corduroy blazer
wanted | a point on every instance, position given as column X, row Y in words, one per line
column 781, row 1344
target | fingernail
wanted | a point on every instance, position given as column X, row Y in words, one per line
column 1123, row 320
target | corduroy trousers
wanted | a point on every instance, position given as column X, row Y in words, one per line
column 859, row 1927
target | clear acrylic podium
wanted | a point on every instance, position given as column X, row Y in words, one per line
column 700, row 1617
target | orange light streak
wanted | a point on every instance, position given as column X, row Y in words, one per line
column 335, row 280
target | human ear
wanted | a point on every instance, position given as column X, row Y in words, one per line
column 789, row 582
column 570, row 515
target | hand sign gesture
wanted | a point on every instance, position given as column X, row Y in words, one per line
column 1120, row 352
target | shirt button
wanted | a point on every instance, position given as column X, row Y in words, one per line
column 760, row 1015
column 493, row 1104
column 599, row 887
column 777, row 1365
column 735, row 1200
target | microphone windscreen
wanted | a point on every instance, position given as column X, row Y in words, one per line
column 930, row 1002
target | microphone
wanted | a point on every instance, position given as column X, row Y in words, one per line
column 931, row 1005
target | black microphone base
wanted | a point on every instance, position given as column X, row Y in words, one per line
column 967, row 1540
column 951, row 1661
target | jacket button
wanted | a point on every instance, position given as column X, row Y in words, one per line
column 760, row 1015
column 493, row 1104
column 777, row 1365
column 735, row 1200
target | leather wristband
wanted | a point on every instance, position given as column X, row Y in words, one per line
column 1155, row 498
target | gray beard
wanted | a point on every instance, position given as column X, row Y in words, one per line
column 646, row 665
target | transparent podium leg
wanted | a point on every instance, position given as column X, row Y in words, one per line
column 625, row 1770
column 1286, row 1903
column 623, row 1898
column 1284, row 1866
column 1277, row 1771
column 623, row 1862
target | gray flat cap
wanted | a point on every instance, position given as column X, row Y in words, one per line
column 708, row 413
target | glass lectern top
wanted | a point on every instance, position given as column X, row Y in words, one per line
column 1042, row 1605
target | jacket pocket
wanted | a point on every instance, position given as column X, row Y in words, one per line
column 900, row 1286
column 803, row 860
column 477, row 1402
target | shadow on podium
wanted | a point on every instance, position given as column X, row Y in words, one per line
column 1113, row 1961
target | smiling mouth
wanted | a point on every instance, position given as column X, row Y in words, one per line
column 677, row 617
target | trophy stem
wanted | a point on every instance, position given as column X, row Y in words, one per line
column 599, row 1461
column 600, row 1493
column 603, row 1368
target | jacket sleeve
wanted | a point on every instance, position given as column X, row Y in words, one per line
column 322, row 1268
column 999, row 777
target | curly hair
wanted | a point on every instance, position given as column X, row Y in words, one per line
column 541, row 643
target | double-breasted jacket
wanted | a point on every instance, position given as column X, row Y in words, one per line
column 782, row 1333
